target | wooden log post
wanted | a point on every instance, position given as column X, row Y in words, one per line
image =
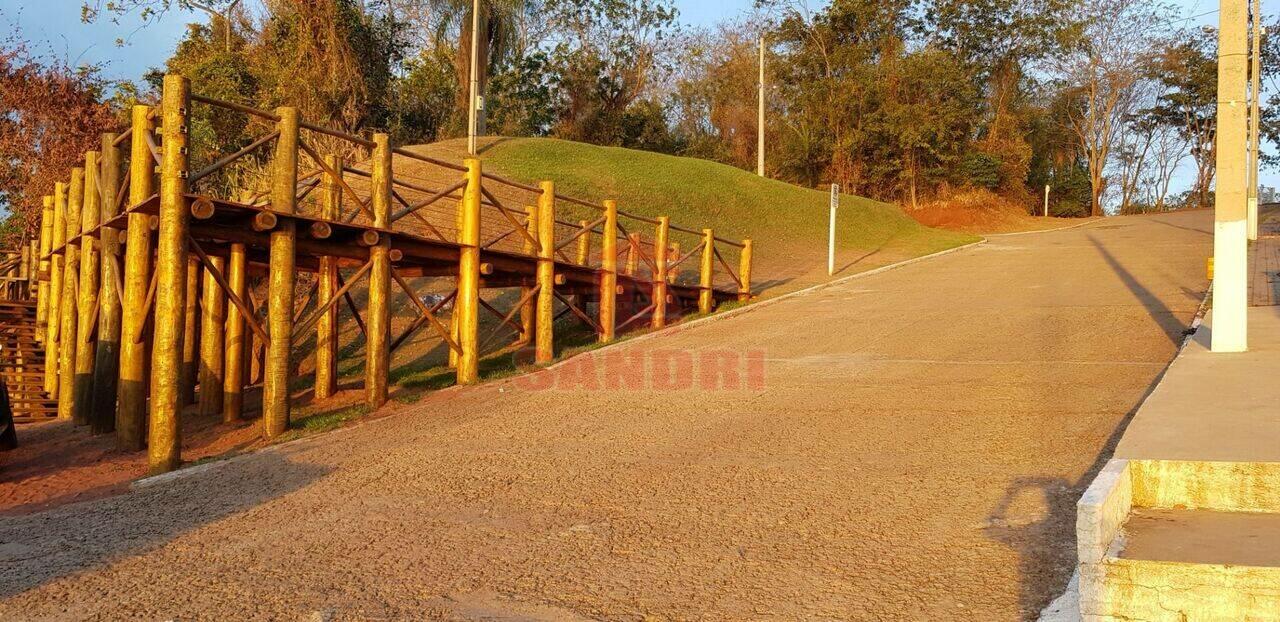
column 661, row 232
column 233, row 368
column 609, row 272
column 106, row 365
column 57, row 268
column 164, row 447
column 744, row 272
column 70, row 298
column 87, row 300
column 545, row 335
column 466, row 307
column 42, row 263
column 528, row 311
column 377, row 364
column 326, row 383
column 281, row 278
column 584, row 245
column 131, row 409
column 191, row 333
column 706, row 299
column 213, row 327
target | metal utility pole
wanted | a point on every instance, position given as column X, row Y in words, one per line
column 760, row 120
column 1230, row 214
column 473, row 96
column 1256, row 94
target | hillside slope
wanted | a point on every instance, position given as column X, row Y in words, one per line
column 787, row 223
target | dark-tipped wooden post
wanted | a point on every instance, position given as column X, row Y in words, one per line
column 545, row 341
column 466, row 307
column 87, row 301
column 191, row 333
column 131, row 411
column 42, row 261
column 609, row 271
column 705, row 298
column 234, row 344
column 660, row 275
column 164, row 440
column 744, row 272
column 57, row 265
column 106, row 365
column 70, row 293
column 284, row 183
column 378, row 325
column 213, row 327
column 327, row 325
column 528, row 311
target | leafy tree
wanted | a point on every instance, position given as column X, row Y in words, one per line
column 53, row 114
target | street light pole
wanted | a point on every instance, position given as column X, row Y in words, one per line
column 473, row 96
column 760, row 120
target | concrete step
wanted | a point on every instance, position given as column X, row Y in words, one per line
column 1180, row 541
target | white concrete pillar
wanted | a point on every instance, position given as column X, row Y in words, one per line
column 1230, row 230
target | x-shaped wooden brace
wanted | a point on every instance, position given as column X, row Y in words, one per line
column 425, row 315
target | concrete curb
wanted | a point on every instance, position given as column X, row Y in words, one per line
column 185, row 472
column 1066, row 607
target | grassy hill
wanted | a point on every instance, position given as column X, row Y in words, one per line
column 787, row 223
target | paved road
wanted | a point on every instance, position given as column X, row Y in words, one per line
column 913, row 450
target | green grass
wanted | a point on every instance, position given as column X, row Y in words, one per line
column 778, row 216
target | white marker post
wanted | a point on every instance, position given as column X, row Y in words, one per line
column 831, row 231
column 1046, row 200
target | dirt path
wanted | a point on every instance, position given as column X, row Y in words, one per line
column 912, row 449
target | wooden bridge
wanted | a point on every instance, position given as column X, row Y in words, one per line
column 127, row 240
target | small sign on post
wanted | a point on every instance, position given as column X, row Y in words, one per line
column 831, row 231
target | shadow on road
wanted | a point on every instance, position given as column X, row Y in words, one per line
column 39, row 548
column 1046, row 541
column 1162, row 314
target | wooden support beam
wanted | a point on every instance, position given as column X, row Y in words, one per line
column 131, row 410
column 106, row 366
column 609, row 271
column 233, row 367
column 326, row 363
column 378, row 333
column 70, row 297
column 87, row 300
column 744, row 272
column 528, row 306
column 191, row 333
column 705, row 294
column 659, row 296
column 467, row 306
column 584, row 241
column 275, row 377
column 164, row 447
column 213, row 326
column 57, row 264
column 42, row 290
column 544, row 343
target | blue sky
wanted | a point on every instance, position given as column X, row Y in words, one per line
column 55, row 26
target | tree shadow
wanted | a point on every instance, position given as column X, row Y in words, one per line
column 38, row 548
